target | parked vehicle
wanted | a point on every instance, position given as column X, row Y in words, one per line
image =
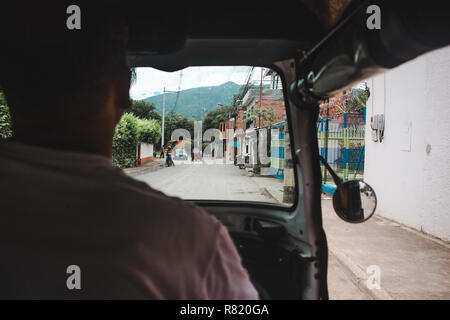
column 180, row 154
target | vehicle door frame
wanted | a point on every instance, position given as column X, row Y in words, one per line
column 303, row 220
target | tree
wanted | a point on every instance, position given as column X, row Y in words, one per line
column 129, row 132
column 5, row 119
column 149, row 131
column 175, row 121
column 262, row 114
column 213, row 118
column 358, row 101
column 125, row 141
column 144, row 110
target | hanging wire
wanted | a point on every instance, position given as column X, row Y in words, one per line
column 178, row 93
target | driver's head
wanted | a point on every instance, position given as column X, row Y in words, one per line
column 63, row 82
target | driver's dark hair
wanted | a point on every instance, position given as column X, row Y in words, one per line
column 45, row 67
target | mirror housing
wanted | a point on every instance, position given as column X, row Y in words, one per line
column 354, row 201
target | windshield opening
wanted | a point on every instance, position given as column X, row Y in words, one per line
column 208, row 133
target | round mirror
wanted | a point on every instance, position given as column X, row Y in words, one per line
column 354, row 201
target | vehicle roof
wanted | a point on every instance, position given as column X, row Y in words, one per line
column 171, row 37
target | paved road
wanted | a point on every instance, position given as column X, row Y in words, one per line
column 211, row 182
column 227, row 182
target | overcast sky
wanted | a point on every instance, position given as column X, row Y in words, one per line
column 152, row 81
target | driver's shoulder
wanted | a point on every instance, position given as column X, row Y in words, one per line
column 158, row 211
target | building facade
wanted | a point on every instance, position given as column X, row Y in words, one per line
column 271, row 100
column 410, row 168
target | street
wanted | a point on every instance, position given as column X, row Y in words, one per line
column 228, row 182
column 200, row 181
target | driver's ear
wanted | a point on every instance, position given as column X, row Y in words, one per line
column 122, row 88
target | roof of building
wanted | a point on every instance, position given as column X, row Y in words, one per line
column 267, row 94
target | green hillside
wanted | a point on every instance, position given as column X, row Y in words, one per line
column 197, row 102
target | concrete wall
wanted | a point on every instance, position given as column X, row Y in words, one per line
column 145, row 153
column 413, row 187
column 146, row 150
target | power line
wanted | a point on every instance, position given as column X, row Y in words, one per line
column 246, row 86
column 178, row 92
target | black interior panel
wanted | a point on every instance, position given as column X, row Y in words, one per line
column 272, row 268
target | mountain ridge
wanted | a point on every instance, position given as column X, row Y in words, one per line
column 196, row 102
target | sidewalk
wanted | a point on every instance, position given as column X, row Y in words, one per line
column 150, row 166
column 270, row 186
column 412, row 265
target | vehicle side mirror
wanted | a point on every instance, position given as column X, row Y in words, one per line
column 354, row 200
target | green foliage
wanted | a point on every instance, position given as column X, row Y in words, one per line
column 358, row 101
column 2, row 98
column 175, row 121
column 149, row 131
column 214, row 117
column 129, row 132
column 262, row 114
column 144, row 110
column 125, row 141
column 5, row 119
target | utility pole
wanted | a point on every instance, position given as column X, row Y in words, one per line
column 163, row 116
column 229, row 139
column 260, row 89
column 326, row 140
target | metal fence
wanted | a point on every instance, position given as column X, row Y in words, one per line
column 277, row 149
column 341, row 143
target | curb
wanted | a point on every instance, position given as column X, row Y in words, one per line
column 139, row 171
column 267, row 193
column 358, row 275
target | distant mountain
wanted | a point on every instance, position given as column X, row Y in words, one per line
column 197, row 102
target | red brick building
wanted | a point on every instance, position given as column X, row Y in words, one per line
column 336, row 108
column 224, row 125
column 264, row 98
column 240, row 119
column 335, row 104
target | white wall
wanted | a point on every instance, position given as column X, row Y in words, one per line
column 413, row 187
column 146, row 150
